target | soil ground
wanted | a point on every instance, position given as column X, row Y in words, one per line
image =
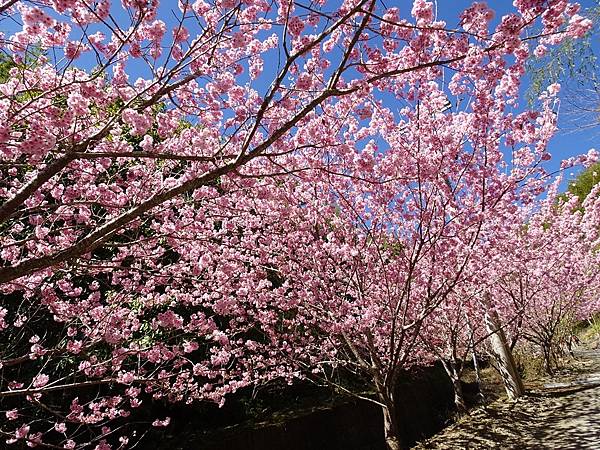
column 562, row 412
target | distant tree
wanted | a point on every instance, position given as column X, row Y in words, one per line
column 582, row 185
column 552, row 280
column 574, row 64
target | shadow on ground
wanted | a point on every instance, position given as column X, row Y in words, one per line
column 559, row 415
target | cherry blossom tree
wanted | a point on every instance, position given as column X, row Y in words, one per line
column 281, row 189
column 393, row 234
column 456, row 331
column 552, row 281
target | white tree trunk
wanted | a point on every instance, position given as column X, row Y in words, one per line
column 392, row 441
column 506, row 363
column 453, row 374
column 478, row 376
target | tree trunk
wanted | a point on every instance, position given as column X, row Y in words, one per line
column 459, row 399
column 478, row 376
column 547, row 352
column 506, row 363
column 390, row 428
column 452, row 372
column 476, row 368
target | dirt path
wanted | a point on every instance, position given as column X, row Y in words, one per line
column 562, row 413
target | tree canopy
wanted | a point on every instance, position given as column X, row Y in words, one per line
column 198, row 197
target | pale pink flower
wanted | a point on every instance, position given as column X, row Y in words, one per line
column 40, row 381
column 161, row 423
column 22, row 432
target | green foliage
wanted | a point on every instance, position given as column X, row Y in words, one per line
column 573, row 60
column 529, row 364
column 32, row 56
column 594, row 327
column 6, row 64
column 583, row 184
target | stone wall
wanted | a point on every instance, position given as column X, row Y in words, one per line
column 426, row 405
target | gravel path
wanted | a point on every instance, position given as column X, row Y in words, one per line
column 562, row 413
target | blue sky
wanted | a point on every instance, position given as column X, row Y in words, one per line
column 570, row 140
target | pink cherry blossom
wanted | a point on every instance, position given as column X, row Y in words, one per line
column 161, row 423
column 244, row 193
column 40, row 380
column 22, row 432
